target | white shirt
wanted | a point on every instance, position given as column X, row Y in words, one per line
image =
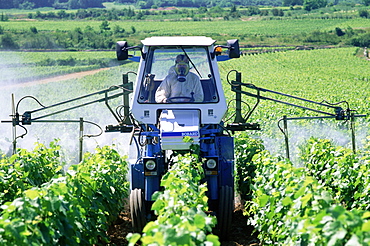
column 171, row 87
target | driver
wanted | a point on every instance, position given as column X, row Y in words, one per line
column 180, row 85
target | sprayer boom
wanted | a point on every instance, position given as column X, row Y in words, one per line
column 240, row 122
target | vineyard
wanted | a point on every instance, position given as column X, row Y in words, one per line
column 264, row 27
column 64, row 208
column 319, row 197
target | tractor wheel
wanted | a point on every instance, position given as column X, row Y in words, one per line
column 137, row 209
column 225, row 213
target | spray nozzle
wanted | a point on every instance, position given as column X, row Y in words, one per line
column 339, row 113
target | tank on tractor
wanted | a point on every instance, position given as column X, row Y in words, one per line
column 164, row 124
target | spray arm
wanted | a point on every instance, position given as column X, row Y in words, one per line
column 26, row 117
column 239, row 88
column 240, row 124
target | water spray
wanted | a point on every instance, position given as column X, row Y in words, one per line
column 27, row 118
column 239, row 88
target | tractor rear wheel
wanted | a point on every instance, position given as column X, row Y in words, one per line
column 137, row 209
column 225, row 213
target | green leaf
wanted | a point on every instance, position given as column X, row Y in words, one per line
column 263, row 199
column 305, row 199
column 366, row 215
column 199, row 221
column 32, row 194
column 158, row 205
column 366, row 226
column 286, row 201
column 300, row 192
column 213, row 240
column 133, row 238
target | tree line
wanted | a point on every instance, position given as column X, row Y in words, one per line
column 105, row 36
column 83, row 4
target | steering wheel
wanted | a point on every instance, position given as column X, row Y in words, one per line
column 179, row 99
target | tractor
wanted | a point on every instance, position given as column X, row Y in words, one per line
column 162, row 126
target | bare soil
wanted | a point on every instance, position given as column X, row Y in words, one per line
column 241, row 234
column 56, row 78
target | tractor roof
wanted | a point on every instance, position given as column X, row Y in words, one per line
column 179, row 40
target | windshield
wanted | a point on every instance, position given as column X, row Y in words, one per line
column 178, row 75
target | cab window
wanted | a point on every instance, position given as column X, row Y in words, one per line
column 161, row 62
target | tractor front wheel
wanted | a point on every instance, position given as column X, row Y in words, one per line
column 137, row 209
column 225, row 213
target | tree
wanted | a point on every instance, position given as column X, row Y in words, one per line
column 363, row 13
column 104, row 26
column 366, row 2
column 3, row 17
column 43, row 3
column 292, row 2
column 118, row 30
column 33, row 29
column 91, row 3
column 7, row 42
column 314, row 4
column 26, row 5
column 62, row 14
column 74, row 4
column 339, row 32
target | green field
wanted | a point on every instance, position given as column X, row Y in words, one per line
column 235, row 28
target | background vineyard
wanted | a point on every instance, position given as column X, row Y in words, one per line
column 207, row 28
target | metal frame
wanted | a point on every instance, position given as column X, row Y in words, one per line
column 124, row 120
column 239, row 123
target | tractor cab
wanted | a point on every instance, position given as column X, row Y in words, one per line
column 158, row 63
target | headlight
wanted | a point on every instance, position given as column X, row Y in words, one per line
column 211, row 163
column 150, row 165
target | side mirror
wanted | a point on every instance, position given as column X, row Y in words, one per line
column 233, row 46
column 121, row 50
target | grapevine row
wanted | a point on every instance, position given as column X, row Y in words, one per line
column 180, row 208
column 288, row 206
column 27, row 169
column 74, row 209
column 344, row 174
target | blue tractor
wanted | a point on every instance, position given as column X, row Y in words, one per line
column 162, row 125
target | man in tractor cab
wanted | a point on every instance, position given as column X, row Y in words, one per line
column 180, row 85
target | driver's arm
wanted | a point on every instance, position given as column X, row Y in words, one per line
column 163, row 92
column 198, row 89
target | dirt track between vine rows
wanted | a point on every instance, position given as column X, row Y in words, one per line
column 56, row 78
column 241, row 234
